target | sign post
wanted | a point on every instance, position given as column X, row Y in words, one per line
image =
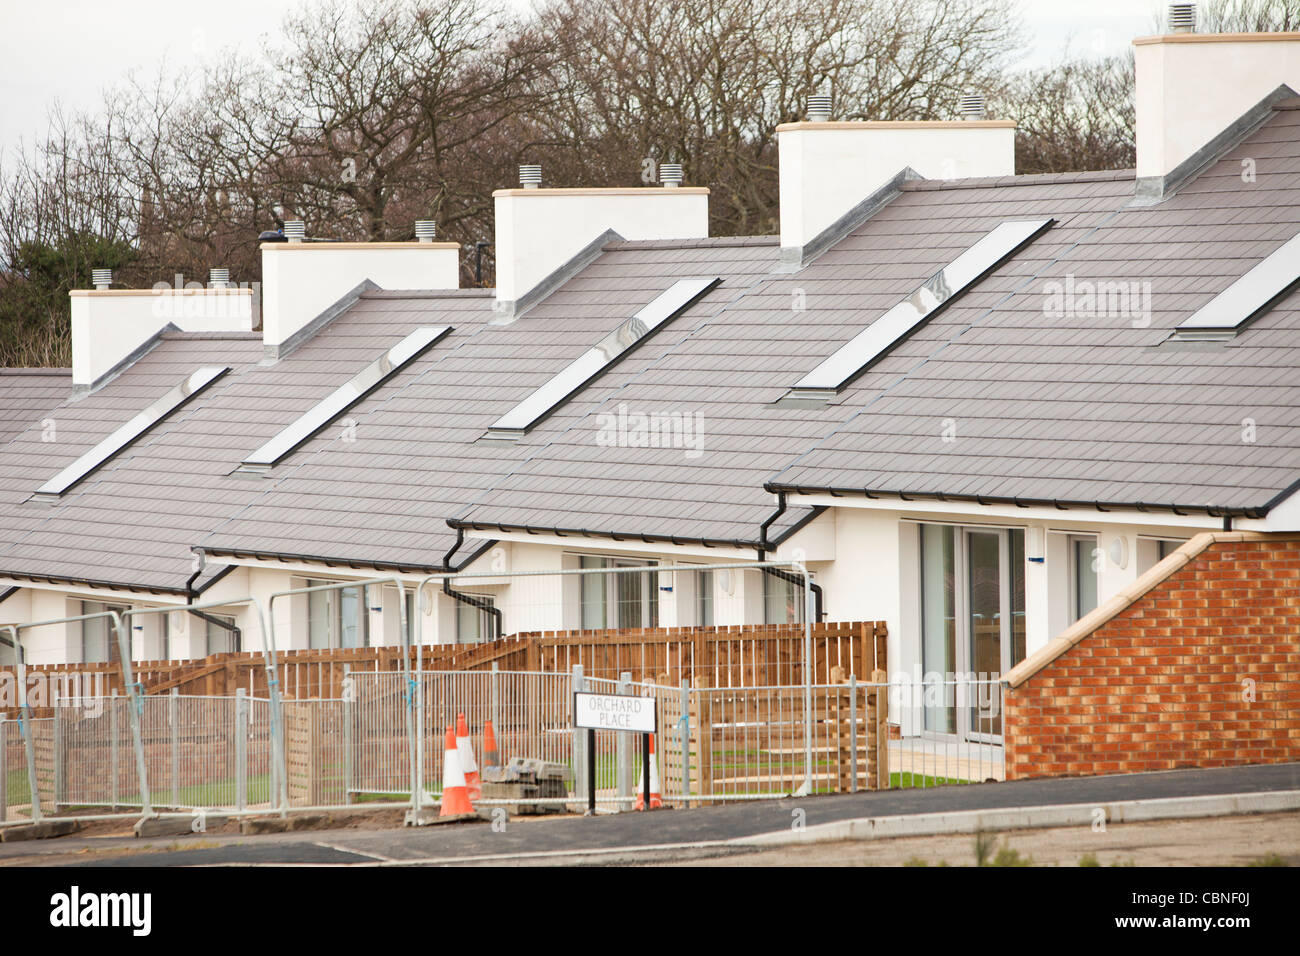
column 615, row 712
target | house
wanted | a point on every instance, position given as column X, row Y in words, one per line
column 976, row 405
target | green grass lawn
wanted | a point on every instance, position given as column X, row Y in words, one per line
column 16, row 789
column 212, row 794
column 905, row 780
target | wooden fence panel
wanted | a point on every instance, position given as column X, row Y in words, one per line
column 732, row 656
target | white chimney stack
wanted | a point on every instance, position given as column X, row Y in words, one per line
column 539, row 230
column 303, row 281
column 827, row 168
column 109, row 326
column 1193, row 88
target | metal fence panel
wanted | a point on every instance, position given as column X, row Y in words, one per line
column 714, row 744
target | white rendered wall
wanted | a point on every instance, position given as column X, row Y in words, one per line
column 828, row 168
column 300, row 280
column 538, row 230
column 1190, row 86
column 110, row 324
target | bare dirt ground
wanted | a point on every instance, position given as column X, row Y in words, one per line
column 1211, row 841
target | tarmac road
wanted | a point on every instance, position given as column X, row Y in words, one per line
column 631, row 837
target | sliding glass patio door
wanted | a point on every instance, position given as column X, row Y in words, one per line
column 972, row 624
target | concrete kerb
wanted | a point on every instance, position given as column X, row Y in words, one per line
column 1026, row 818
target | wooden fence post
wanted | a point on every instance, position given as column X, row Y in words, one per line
column 837, row 712
column 878, row 732
column 702, row 738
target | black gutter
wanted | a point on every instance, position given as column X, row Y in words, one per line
column 1059, row 503
column 225, row 625
column 469, row 598
column 460, row 539
column 215, row 578
column 93, row 583
column 351, row 564
column 766, row 545
column 479, row 603
column 612, row 535
column 475, row 555
column 763, row 543
column 818, row 613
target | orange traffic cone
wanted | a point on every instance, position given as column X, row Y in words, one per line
column 467, row 764
column 490, row 756
column 455, row 796
column 656, row 801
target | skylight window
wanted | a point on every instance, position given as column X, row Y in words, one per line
column 856, row 355
column 343, row 397
column 128, row 432
column 1224, row 315
column 667, row 305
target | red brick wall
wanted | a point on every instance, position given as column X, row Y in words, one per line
column 1163, row 684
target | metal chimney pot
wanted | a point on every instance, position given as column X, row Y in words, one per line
column 670, row 174
column 971, row 106
column 218, row 278
column 1182, row 17
column 295, row 230
column 102, row 278
column 530, row 177
column 819, row 107
column 425, row 230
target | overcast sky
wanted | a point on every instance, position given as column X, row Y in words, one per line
column 68, row 50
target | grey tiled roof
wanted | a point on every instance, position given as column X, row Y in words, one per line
column 1078, row 408
column 133, row 519
column 26, row 393
column 1101, row 408
column 1073, row 408
column 419, row 457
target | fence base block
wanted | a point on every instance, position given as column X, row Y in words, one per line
column 428, row 817
column 43, row 830
column 175, row 826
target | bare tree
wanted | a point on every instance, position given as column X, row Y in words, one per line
column 706, row 82
column 1076, row 115
column 364, row 117
column 1247, row 16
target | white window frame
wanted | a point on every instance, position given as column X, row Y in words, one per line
column 334, row 605
column 610, row 604
column 1072, row 556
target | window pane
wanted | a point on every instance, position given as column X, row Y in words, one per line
column 1085, row 576
column 593, row 595
column 220, row 639
column 94, row 634
column 985, row 593
column 1016, row 545
column 631, row 599
column 783, row 600
column 473, row 624
column 318, row 618
column 938, row 623
column 353, row 617
column 704, row 593
column 985, row 603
